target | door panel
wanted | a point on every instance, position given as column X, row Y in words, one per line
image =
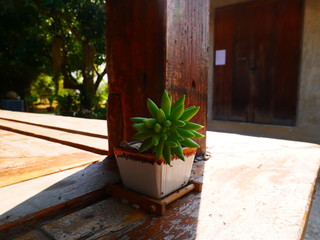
column 259, row 81
column 225, row 33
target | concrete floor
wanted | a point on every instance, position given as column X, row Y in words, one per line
column 279, row 132
column 313, row 228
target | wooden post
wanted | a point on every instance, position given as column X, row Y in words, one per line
column 153, row 45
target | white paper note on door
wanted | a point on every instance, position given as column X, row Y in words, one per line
column 220, row 57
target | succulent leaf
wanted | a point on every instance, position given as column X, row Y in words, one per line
column 150, row 122
column 176, row 113
column 178, row 103
column 192, row 126
column 172, row 144
column 185, row 133
column 189, row 143
column 166, row 103
column 155, row 140
column 178, row 123
column 141, row 127
column 164, row 129
column 178, row 152
column 140, row 136
column 153, row 108
column 161, row 116
column 167, row 153
column 164, row 136
column 159, row 148
column 176, row 135
column 167, row 123
column 157, row 128
column 189, row 113
column 196, row 134
column 146, row 145
column 138, row 119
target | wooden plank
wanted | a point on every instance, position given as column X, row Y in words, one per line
column 100, row 219
column 44, row 198
column 224, row 33
column 136, row 68
column 36, row 234
column 23, row 158
column 151, row 205
column 92, row 144
column 82, row 126
column 187, row 56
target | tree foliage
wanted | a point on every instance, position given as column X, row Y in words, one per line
column 23, row 52
column 65, row 38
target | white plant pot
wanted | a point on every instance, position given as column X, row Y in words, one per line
column 144, row 173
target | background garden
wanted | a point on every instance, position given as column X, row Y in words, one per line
column 52, row 55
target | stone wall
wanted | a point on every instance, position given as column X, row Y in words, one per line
column 309, row 95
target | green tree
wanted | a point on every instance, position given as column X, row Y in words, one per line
column 72, row 37
column 77, row 33
column 24, row 53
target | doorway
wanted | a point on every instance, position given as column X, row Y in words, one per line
column 256, row 68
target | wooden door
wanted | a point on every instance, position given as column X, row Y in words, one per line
column 256, row 79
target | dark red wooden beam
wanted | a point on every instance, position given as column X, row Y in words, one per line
column 153, row 45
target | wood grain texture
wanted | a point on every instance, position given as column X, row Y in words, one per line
column 259, row 81
column 27, row 204
column 23, row 158
column 136, row 61
column 103, row 218
column 153, row 45
column 35, row 145
column 187, row 55
column 88, row 143
column 82, row 126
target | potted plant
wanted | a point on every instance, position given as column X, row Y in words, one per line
column 155, row 169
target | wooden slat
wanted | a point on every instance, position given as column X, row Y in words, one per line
column 49, row 166
column 151, row 205
column 23, row 158
column 27, row 204
column 92, row 144
column 82, row 126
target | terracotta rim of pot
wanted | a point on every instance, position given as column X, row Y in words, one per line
column 147, row 156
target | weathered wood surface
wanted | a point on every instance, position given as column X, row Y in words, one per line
column 88, row 143
column 259, row 81
column 23, row 158
column 151, row 205
column 82, row 126
column 49, row 166
column 153, row 45
column 28, row 204
column 136, row 62
column 253, row 189
column 25, row 155
column 187, row 55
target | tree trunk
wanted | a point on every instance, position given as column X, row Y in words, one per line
column 88, row 90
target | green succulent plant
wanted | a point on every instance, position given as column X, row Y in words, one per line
column 169, row 129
